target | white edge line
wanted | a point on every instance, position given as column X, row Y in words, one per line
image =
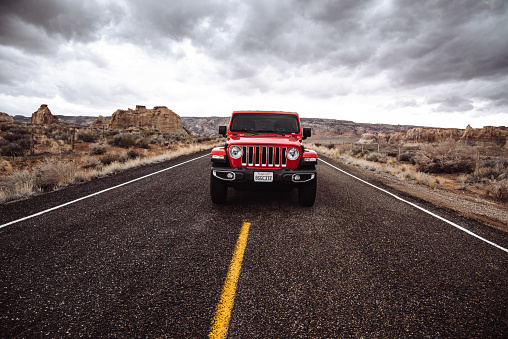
column 97, row 193
column 421, row 208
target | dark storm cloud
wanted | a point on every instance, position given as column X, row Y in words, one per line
column 158, row 24
column 416, row 44
column 41, row 26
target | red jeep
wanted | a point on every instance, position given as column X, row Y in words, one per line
column 264, row 150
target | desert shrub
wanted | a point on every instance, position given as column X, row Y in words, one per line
column 123, row 140
column 492, row 172
column 498, row 189
column 142, row 143
column 25, row 143
column 51, row 173
column 391, row 153
column 356, row 152
column 110, row 133
column 61, row 135
column 484, row 174
column 98, row 149
column 109, row 158
column 408, row 157
column 376, row 157
column 155, row 140
column 87, row 136
column 13, row 137
column 133, row 153
column 90, row 162
column 493, row 162
column 13, row 149
column 445, row 157
column 330, row 146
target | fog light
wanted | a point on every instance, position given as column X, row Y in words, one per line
column 296, row 177
column 230, row 175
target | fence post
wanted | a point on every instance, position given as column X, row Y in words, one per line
column 72, row 138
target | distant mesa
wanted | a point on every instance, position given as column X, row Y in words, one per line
column 486, row 136
column 5, row 118
column 158, row 118
column 412, row 135
column 43, row 116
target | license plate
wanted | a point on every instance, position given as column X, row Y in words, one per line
column 263, row 176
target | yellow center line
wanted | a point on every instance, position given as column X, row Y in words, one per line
column 220, row 322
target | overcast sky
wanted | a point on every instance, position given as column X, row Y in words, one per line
column 441, row 63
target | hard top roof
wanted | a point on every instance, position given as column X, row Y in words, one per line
column 282, row 112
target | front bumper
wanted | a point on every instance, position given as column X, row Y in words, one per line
column 241, row 175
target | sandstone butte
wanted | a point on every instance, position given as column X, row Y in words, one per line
column 43, row 116
column 486, row 136
column 100, row 122
column 158, row 118
column 6, row 118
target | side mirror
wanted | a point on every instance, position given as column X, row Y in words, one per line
column 306, row 133
column 223, row 130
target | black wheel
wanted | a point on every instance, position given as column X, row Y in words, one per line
column 218, row 190
column 307, row 193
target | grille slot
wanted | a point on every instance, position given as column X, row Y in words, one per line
column 264, row 156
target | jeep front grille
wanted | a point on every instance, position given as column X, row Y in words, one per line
column 264, row 156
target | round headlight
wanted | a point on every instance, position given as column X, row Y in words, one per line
column 235, row 152
column 293, row 153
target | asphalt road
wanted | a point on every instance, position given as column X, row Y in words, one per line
column 149, row 259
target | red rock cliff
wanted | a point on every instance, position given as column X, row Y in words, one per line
column 43, row 116
column 158, row 118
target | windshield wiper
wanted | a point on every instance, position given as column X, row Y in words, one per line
column 275, row 132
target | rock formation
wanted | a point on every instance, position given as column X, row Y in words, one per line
column 412, row 135
column 43, row 116
column 486, row 136
column 100, row 122
column 5, row 118
column 158, row 118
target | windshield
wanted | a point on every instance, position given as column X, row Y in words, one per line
column 265, row 123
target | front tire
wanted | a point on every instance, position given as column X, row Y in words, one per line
column 307, row 193
column 218, row 190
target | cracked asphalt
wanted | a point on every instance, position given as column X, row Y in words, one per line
column 149, row 259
